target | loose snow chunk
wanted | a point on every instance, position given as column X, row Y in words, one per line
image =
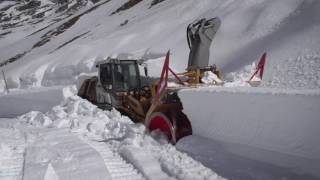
column 69, row 91
column 81, row 116
column 211, row 78
column 36, row 118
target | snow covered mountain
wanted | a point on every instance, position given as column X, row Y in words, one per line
column 39, row 38
column 46, row 45
column 19, row 13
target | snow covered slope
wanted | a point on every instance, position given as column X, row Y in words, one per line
column 59, row 48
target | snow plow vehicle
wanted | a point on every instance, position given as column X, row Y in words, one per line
column 120, row 86
column 152, row 101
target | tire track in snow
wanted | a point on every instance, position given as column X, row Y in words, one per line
column 12, row 148
column 118, row 168
column 145, row 162
column 179, row 165
column 58, row 151
column 142, row 163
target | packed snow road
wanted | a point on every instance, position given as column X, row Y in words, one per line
column 76, row 140
column 222, row 158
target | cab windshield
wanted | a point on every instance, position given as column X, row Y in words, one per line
column 126, row 76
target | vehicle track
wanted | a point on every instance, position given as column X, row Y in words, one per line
column 12, row 161
column 180, row 166
column 118, row 168
column 68, row 156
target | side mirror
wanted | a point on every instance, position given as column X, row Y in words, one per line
column 145, row 71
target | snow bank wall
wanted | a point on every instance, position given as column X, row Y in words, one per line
column 278, row 122
column 20, row 102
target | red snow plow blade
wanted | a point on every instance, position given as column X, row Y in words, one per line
column 165, row 113
column 174, row 126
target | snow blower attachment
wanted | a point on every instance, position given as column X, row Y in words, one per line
column 152, row 101
column 199, row 36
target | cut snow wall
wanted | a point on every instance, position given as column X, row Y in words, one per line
column 286, row 123
column 20, row 102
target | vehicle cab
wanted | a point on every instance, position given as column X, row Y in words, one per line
column 116, row 77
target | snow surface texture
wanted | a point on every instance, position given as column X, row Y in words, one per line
column 287, row 30
column 52, row 153
column 220, row 156
column 51, row 147
column 12, row 147
column 211, row 78
column 276, row 122
column 304, row 71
